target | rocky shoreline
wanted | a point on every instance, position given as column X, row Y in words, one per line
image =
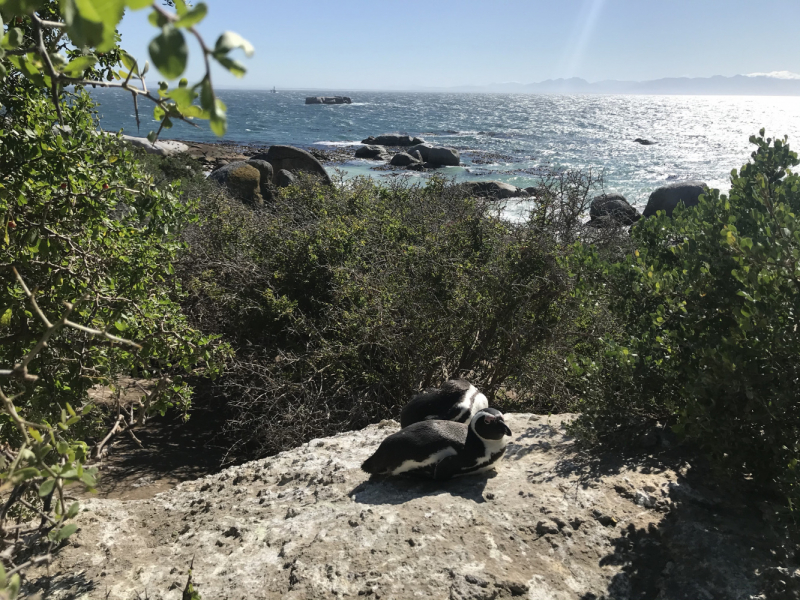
column 399, row 153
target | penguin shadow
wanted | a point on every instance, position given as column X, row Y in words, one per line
column 399, row 489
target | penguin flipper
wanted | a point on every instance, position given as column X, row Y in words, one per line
column 446, row 468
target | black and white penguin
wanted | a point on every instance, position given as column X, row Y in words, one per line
column 442, row 449
column 457, row 400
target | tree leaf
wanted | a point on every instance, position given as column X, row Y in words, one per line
column 233, row 66
column 230, row 41
column 193, row 16
column 92, row 23
column 77, row 66
column 46, row 487
column 169, row 52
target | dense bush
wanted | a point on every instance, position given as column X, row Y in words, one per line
column 708, row 306
column 87, row 237
column 342, row 301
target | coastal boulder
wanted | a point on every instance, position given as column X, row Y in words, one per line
column 403, row 160
column 447, row 157
column 438, row 155
column 284, row 178
column 372, row 151
column 242, row 180
column 267, row 176
column 497, row 190
column 393, row 139
column 666, row 198
column 293, row 159
column 612, row 209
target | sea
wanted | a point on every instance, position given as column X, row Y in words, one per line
column 507, row 137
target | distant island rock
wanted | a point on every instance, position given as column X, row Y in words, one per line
column 644, row 142
column 328, row 100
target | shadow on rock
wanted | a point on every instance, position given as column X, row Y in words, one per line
column 720, row 537
column 75, row 586
column 399, row 490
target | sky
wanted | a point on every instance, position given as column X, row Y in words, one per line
column 341, row 45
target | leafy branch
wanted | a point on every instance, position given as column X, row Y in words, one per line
column 43, row 464
column 92, row 25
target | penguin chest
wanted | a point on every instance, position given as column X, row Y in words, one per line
column 492, row 451
column 419, row 463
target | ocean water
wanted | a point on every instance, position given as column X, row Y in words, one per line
column 509, row 137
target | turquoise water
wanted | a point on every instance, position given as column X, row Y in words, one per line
column 510, row 137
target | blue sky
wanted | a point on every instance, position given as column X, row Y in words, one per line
column 374, row 44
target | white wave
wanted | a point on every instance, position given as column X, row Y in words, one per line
column 776, row 75
column 338, row 144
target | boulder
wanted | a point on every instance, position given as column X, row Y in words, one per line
column 494, row 189
column 438, row 155
column 393, row 139
column 372, row 151
column 548, row 522
column 242, row 180
column 666, row 198
column 267, row 176
column 612, row 209
column 416, row 154
column 160, row 148
column 284, row 178
column 328, row 100
column 293, row 159
column 403, row 160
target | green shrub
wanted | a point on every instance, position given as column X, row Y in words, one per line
column 708, row 305
column 342, row 301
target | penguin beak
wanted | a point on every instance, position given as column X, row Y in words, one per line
column 508, row 430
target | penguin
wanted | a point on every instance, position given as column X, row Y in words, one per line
column 439, row 450
column 457, row 400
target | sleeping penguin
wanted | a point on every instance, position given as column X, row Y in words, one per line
column 442, row 449
column 457, row 400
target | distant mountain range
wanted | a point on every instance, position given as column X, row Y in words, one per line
column 744, row 85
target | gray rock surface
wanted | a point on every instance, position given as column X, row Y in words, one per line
column 614, row 209
column 666, row 198
column 393, row 139
column 161, row 147
column 495, row 189
column 550, row 523
column 372, row 151
column 293, row 159
column 284, row 178
column 438, row 155
column 401, row 159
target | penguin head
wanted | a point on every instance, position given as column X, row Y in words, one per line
column 489, row 424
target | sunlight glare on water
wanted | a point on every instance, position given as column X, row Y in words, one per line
column 509, row 136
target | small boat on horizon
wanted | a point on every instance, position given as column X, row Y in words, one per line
column 274, row 91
